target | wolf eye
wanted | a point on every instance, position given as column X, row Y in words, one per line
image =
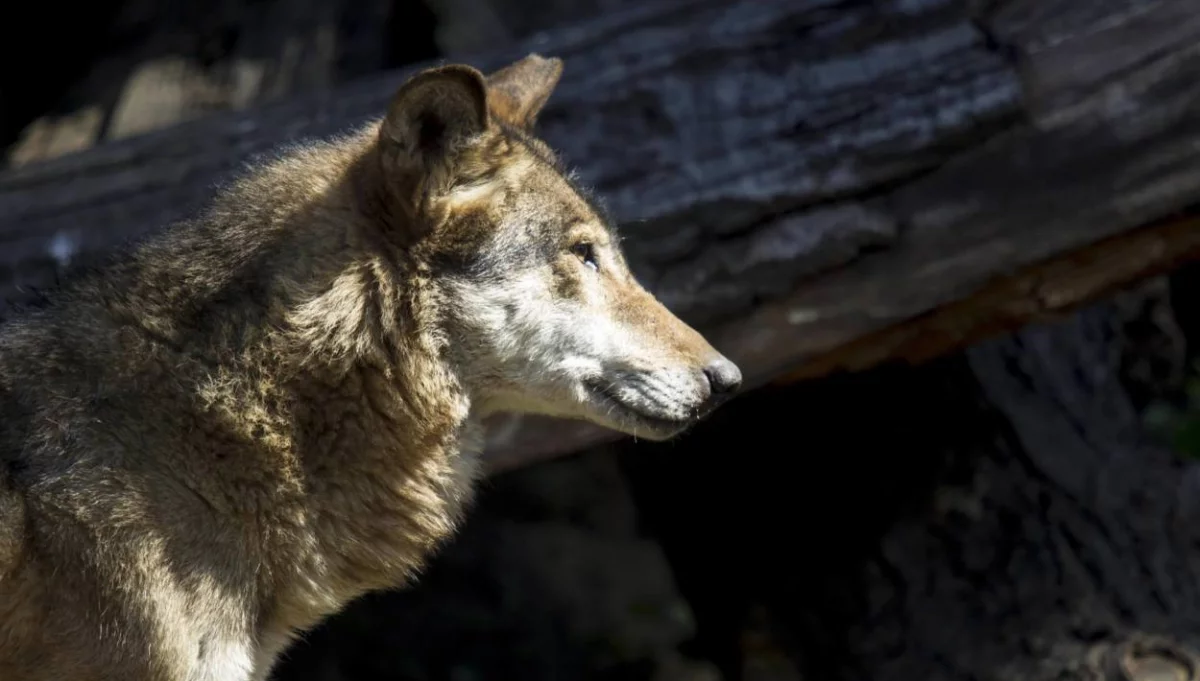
column 587, row 254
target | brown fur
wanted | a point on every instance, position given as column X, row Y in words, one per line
column 260, row 414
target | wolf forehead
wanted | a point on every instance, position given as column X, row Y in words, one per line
column 525, row 206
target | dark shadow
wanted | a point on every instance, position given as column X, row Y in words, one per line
column 85, row 54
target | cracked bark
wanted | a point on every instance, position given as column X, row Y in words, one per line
column 1071, row 546
column 1103, row 554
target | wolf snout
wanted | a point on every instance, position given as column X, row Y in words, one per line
column 724, row 379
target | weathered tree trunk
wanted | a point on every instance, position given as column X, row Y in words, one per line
column 814, row 182
column 1069, row 551
column 1104, row 555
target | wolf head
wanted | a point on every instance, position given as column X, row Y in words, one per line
column 539, row 307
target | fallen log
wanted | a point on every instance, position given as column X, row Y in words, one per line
column 795, row 179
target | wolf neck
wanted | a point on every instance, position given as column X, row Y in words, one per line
column 318, row 350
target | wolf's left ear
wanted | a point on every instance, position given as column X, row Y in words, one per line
column 431, row 119
column 520, row 90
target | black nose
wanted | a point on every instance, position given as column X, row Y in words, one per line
column 724, row 377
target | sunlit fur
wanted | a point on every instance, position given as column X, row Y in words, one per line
column 257, row 415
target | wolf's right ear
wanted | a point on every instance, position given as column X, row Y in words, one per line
column 431, row 119
column 520, row 90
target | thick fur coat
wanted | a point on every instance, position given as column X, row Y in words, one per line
column 257, row 415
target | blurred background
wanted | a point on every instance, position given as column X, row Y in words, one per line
column 1019, row 505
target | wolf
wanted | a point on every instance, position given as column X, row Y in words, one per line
column 238, row 425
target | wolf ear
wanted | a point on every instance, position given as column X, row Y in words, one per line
column 520, row 90
column 431, row 118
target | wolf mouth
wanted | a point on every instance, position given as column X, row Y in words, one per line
column 630, row 413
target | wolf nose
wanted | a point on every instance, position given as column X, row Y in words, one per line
column 724, row 377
